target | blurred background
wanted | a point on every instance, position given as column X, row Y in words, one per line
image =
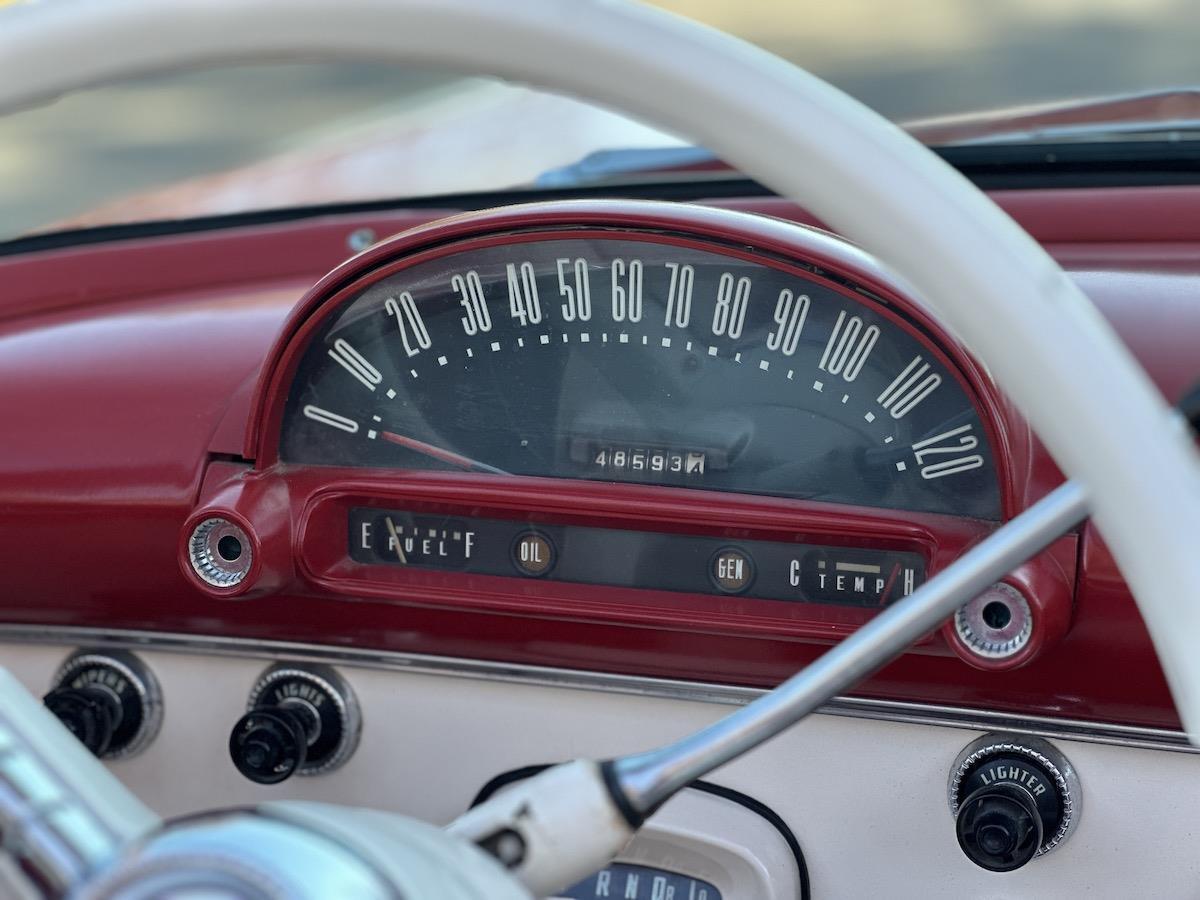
column 300, row 134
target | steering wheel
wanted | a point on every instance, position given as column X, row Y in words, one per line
column 1131, row 463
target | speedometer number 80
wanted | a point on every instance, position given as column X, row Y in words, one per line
column 730, row 312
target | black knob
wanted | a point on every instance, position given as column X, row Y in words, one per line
column 268, row 745
column 302, row 720
column 1014, row 798
column 108, row 699
column 90, row 713
column 999, row 827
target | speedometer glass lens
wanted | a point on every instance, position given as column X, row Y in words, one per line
column 641, row 361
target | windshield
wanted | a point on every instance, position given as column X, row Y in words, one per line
column 269, row 137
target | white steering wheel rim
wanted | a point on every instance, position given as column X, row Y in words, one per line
column 1080, row 388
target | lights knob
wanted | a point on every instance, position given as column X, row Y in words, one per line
column 110, row 701
column 269, row 745
column 1014, row 798
column 300, row 720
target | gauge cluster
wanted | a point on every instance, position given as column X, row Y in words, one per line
column 684, row 419
column 640, row 359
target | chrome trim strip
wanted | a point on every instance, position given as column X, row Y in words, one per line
column 903, row 712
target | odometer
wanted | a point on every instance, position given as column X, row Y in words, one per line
column 635, row 358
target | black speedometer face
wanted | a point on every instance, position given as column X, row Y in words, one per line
column 637, row 361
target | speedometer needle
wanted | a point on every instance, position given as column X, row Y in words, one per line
column 455, row 459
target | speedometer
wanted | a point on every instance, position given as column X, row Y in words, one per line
column 640, row 356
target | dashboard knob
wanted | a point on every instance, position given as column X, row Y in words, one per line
column 109, row 700
column 999, row 827
column 269, row 745
column 1014, row 798
column 88, row 713
column 300, row 720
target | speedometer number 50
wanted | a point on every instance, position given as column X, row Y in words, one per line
column 577, row 302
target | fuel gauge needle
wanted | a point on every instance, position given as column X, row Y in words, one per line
column 455, row 459
column 395, row 539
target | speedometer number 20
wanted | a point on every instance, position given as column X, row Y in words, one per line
column 409, row 321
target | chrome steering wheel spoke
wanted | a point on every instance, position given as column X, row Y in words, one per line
column 646, row 780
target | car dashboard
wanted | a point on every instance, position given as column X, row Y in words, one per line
column 569, row 478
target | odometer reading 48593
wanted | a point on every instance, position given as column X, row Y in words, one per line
column 634, row 359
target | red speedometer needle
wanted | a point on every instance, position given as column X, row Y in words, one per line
column 455, row 459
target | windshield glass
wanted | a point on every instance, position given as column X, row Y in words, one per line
column 281, row 136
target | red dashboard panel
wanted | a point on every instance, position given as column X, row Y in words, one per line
column 129, row 381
